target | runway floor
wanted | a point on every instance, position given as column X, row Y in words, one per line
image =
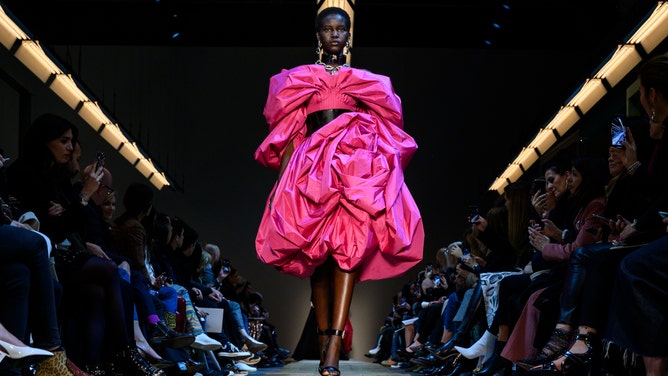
column 347, row 367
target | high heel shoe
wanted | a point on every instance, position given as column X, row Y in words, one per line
column 331, row 370
column 22, row 355
column 324, row 335
column 573, row 364
column 559, row 341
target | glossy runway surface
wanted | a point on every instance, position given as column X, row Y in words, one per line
column 347, row 367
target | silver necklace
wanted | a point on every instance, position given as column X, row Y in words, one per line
column 331, row 69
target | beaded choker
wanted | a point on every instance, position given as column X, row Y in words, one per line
column 327, row 60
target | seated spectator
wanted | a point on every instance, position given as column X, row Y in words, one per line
column 132, row 242
column 93, row 290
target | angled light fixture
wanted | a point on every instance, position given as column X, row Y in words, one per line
column 47, row 69
column 625, row 58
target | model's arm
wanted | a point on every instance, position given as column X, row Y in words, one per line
column 285, row 158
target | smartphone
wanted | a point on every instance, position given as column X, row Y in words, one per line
column 663, row 214
column 603, row 218
column 474, row 214
column 538, row 185
column 618, row 132
column 100, row 161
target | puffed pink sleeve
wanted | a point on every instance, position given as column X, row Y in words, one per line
column 285, row 114
column 377, row 97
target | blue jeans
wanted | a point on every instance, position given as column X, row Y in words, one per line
column 21, row 246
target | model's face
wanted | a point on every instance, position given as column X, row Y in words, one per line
column 333, row 34
column 61, row 147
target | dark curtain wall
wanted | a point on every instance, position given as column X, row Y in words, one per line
column 198, row 111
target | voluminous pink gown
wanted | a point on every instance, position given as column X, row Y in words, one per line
column 342, row 192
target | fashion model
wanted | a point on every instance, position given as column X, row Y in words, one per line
column 340, row 211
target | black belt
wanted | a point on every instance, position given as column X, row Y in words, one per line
column 318, row 119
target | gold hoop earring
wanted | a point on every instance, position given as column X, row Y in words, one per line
column 318, row 50
column 346, row 49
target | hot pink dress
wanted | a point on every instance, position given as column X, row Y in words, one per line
column 342, row 192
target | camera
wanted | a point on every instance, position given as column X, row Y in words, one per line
column 226, row 266
column 618, row 132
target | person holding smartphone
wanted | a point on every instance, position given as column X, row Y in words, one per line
column 638, row 313
column 632, row 219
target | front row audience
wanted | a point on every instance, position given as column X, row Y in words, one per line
column 592, row 299
column 124, row 294
column 527, row 288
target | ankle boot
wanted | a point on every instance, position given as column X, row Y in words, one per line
column 495, row 363
column 250, row 342
column 128, row 362
column 471, row 315
column 463, row 365
column 483, row 347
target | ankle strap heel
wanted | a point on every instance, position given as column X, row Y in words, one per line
column 336, row 332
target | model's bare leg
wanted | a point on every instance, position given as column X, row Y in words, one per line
column 655, row 366
column 321, row 281
column 344, row 284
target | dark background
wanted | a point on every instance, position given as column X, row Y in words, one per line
column 473, row 96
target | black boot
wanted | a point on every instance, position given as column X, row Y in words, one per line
column 162, row 335
column 495, row 363
column 463, row 365
column 461, row 335
column 129, row 363
column 442, row 351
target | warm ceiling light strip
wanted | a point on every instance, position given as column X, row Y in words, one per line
column 646, row 38
column 30, row 53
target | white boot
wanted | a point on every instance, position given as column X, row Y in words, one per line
column 483, row 347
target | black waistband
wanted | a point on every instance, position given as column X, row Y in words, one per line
column 316, row 120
